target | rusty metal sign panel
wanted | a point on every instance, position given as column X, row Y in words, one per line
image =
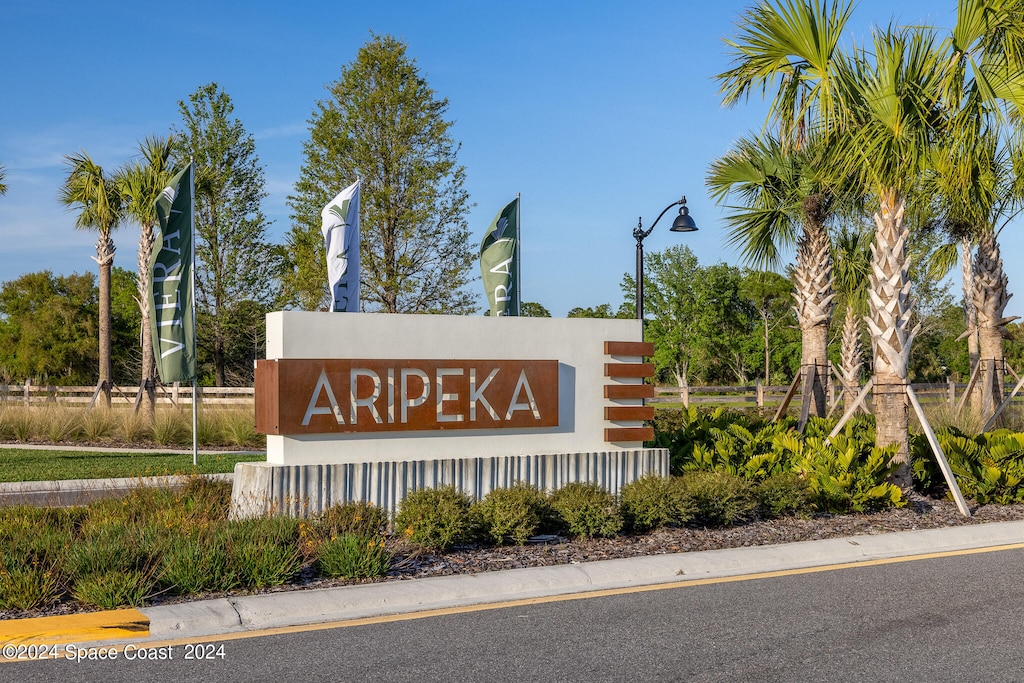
column 301, row 396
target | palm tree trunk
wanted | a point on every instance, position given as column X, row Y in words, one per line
column 812, row 278
column 105, row 258
column 970, row 315
column 889, row 322
column 148, row 359
column 851, row 357
column 990, row 299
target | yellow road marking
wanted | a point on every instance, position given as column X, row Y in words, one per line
column 75, row 628
column 525, row 602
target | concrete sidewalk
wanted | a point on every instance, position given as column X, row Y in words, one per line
column 211, row 618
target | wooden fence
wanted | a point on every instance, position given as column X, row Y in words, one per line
column 764, row 396
column 37, row 395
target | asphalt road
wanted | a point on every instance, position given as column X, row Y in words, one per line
column 948, row 619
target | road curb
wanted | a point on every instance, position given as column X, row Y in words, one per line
column 297, row 608
column 67, row 492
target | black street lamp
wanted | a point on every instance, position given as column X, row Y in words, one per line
column 682, row 223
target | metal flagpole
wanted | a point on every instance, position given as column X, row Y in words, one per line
column 195, row 388
column 519, row 259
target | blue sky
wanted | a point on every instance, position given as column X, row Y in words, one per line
column 596, row 112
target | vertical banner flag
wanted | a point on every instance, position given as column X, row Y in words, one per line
column 171, row 295
column 341, row 234
column 499, row 256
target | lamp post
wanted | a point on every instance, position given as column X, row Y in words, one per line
column 683, row 223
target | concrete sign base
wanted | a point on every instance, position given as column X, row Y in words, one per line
column 302, row 490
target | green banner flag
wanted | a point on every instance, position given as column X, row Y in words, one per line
column 499, row 261
column 171, row 295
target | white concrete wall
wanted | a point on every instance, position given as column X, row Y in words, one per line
column 577, row 344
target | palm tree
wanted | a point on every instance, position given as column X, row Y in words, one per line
column 3, row 175
column 977, row 169
column 95, row 195
column 892, row 115
column 851, row 259
column 786, row 200
column 140, row 183
column 789, row 48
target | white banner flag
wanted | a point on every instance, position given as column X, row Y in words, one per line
column 341, row 234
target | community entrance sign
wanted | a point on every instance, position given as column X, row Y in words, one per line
column 371, row 395
column 361, row 406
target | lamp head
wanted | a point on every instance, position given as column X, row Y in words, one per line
column 683, row 222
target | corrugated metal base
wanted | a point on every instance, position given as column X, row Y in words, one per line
column 301, row 490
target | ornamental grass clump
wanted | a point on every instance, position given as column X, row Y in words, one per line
column 61, row 424
column 436, row 518
column 29, row 587
column 514, row 514
column 587, row 510
column 654, row 501
column 264, row 552
column 114, row 589
column 172, row 428
column 351, row 556
column 348, row 540
column 198, row 563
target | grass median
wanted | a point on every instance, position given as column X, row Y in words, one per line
column 18, row 464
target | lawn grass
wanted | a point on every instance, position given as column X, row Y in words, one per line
column 18, row 464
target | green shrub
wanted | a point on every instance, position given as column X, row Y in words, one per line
column 719, row 498
column 435, row 518
column 114, row 589
column 782, row 494
column 654, row 501
column 205, row 498
column 513, row 514
column 361, row 518
column 846, row 473
column 587, row 510
column 353, row 557
column 29, row 587
column 989, row 468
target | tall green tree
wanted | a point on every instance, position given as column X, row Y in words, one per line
column 141, row 181
column 702, row 327
column 599, row 311
column 770, row 294
column 95, row 195
column 3, row 176
column 532, row 309
column 48, row 328
column 234, row 262
column 383, row 123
